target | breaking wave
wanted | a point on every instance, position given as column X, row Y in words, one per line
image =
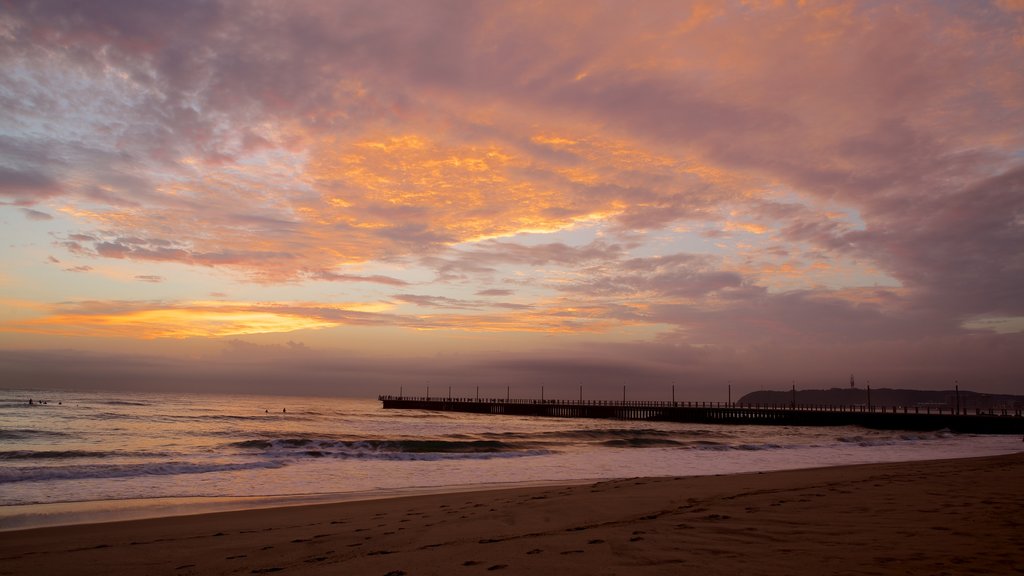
column 41, row 473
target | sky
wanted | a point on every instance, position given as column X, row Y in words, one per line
column 356, row 198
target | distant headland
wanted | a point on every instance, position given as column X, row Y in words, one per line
column 854, row 396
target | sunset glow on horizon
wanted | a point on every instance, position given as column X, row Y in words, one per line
column 336, row 197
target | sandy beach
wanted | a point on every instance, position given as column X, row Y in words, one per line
column 936, row 517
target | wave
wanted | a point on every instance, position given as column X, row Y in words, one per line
column 40, row 473
column 686, row 445
column 884, row 439
column 26, row 434
column 403, row 446
column 640, row 443
column 67, row 454
column 463, row 447
column 390, row 449
column 613, row 434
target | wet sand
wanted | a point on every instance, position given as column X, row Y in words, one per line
column 937, row 517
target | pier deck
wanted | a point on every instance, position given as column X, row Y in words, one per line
column 876, row 417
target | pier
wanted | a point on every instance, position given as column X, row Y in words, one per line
column 1004, row 421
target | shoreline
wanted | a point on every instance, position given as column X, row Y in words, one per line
column 87, row 512
column 919, row 517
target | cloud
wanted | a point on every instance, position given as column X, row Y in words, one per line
column 648, row 370
column 183, row 320
column 445, row 302
column 36, row 215
column 27, row 187
column 152, row 278
column 836, row 172
column 495, row 292
column 375, row 278
column 220, row 318
column 484, row 258
column 960, row 250
column 676, row 275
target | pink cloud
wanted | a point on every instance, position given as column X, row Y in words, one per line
column 297, row 142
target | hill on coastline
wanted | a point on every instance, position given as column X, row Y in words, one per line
column 886, row 397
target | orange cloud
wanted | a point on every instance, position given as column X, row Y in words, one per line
column 446, row 193
column 747, row 227
column 195, row 319
column 216, row 319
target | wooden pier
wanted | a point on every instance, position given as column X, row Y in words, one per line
column 876, row 417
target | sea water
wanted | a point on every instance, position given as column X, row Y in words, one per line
column 91, row 456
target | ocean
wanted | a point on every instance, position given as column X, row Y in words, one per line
column 74, row 456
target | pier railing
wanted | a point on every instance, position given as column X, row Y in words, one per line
column 1017, row 412
column 992, row 421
